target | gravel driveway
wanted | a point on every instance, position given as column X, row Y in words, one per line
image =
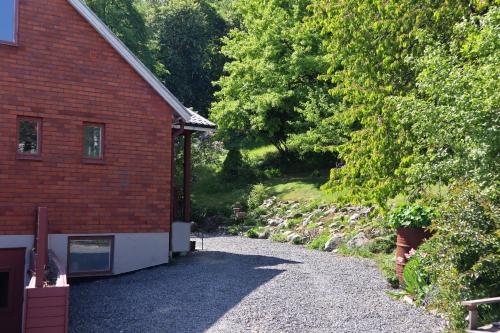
column 247, row 285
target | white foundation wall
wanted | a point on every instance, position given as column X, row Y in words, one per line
column 132, row 251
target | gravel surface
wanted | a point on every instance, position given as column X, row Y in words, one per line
column 247, row 285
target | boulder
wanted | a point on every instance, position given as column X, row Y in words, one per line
column 264, row 234
column 334, row 242
column 354, row 218
column 358, row 241
column 275, row 221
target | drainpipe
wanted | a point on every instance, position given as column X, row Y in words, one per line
column 175, row 134
column 42, row 239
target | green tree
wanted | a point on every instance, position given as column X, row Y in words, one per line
column 451, row 122
column 369, row 45
column 271, row 77
column 188, row 35
column 128, row 23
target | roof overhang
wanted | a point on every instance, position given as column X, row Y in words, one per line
column 136, row 64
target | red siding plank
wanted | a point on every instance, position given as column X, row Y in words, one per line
column 47, row 312
column 46, row 302
column 47, row 292
column 45, row 322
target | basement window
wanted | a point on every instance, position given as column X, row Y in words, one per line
column 8, row 21
column 29, row 138
column 93, row 138
column 90, row 255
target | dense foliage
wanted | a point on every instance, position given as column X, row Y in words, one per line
column 465, row 253
column 410, row 216
column 270, row 89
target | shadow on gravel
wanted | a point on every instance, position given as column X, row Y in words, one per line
column 188, row 295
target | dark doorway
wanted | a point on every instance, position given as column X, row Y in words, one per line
column 11, row 289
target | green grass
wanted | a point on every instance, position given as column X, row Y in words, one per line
column 300, row 189
column 259, row 153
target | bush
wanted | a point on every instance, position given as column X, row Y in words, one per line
column 385, row 244
column 416, row 279
column 280, row 238
column 235, row 168
column 257, row 195
column 410, row 216
column 252, row 233
column 465, row 254
column 272, row 173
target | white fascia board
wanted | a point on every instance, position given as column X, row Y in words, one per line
column 194, row 128
column 123, row 50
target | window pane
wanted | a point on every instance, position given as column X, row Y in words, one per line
column 93, row 141
column 28, row 137
column 7, row 20
column 4, row 289
column 89, row 255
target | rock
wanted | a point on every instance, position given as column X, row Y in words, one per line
column 354, row 218
column 307, row 220
column 358, row 240
column 334, row 242
column 367, row 211
column 264, row 234
column 275, row 222
column 331, row 211
column 294, row 238
column 269, row 202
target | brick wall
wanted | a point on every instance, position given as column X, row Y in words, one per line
column 64, row 72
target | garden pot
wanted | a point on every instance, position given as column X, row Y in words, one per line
column 407, row 239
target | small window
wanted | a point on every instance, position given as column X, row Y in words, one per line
column 93, row 141
column 90, row 255
column 8, row 21
column 29, row 137
column 4, row 290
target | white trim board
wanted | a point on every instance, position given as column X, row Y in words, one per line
column 136, row 64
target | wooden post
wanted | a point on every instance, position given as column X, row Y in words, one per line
column 473, row 316
column 41, row 255
column 187, row 176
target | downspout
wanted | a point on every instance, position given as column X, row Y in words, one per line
column 175, row 134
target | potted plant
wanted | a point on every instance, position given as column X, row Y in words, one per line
column 411, row 223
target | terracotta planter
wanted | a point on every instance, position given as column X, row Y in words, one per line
column 407, row 239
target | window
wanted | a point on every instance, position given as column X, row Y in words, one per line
column 93, row 136
column 90, row 255
column 8, row 21
column 4, row 289
column 29, row 137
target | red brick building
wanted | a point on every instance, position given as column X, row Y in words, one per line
column 85, row 130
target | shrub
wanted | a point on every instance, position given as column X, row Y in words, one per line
column 465, row 253
column 272, row 173
column 410, row 216
column 257, row 195
column 416, row 279
column 385, row 244
column 252, row 233
column 280, row 238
